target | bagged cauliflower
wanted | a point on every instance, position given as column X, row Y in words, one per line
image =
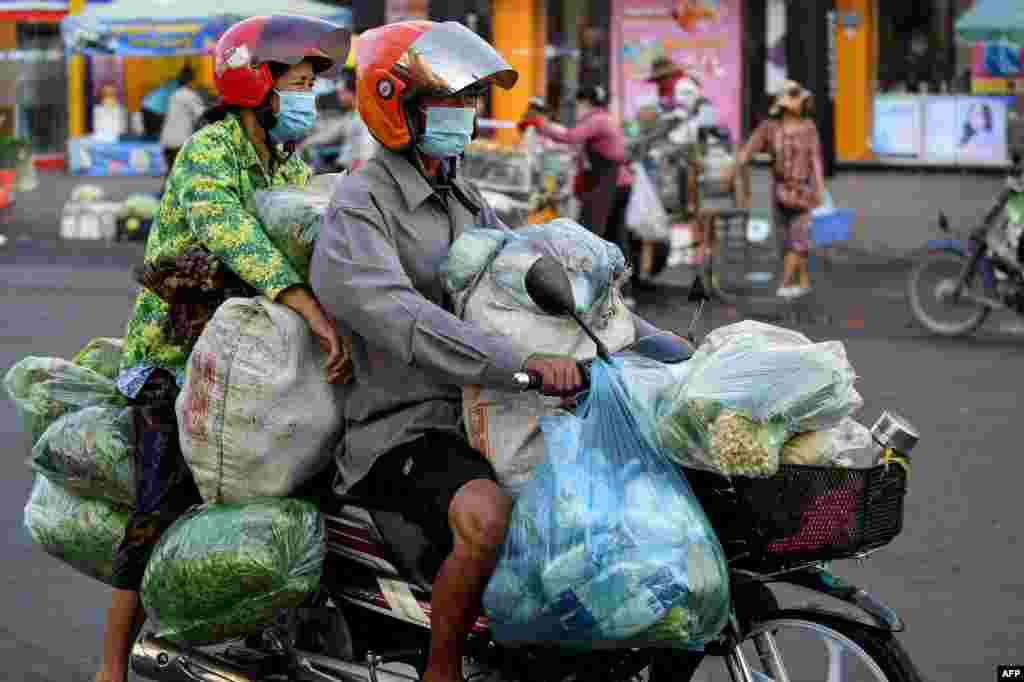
column 747, row 393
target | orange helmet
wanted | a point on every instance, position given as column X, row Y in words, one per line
column 400, row 62
column 242, row 54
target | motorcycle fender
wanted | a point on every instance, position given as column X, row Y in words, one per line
column 876, row 614
column 954, row 246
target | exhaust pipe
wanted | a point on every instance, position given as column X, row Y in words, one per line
column 163, row 661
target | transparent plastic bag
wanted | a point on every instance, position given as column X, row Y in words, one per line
column 645, row 214
column 82, row 532
column 594, row 266
column 291, row 217
column 607, row 540
column 813, row 448
column 224, row 571
column 45, row 389
column 101, row 355
column 91, row 452
column 743, row 399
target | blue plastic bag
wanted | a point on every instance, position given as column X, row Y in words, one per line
column 607, row 543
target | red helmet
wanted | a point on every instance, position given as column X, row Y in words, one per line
column 242, row 54
column 399, row 62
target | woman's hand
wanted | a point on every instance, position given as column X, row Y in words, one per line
column 302, row 302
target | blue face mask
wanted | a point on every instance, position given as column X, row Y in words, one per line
column 296, row 117
column 448, row 131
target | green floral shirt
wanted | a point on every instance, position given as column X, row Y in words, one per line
column 207, row 202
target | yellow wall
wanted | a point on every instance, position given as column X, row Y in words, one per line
column 856, row 74
column 519, row 35
column 142, row 74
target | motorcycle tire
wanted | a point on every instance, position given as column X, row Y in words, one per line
column 874, row 647
column 921, row 295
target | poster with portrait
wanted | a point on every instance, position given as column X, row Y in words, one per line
column 980, row 130
column 701, row 35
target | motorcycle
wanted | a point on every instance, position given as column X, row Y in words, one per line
column 371, row 620
column 964, row 278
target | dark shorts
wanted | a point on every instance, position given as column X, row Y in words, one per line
column 163, row 483
column 796, row 227
column 420, row 479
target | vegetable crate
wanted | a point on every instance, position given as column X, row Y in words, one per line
column 817, row 513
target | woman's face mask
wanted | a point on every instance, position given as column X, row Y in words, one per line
column 296, row 117
column 447, row 131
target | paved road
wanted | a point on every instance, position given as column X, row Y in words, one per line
column 954, row 574
column 896, row 210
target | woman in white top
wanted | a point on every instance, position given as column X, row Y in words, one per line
column 185, row 109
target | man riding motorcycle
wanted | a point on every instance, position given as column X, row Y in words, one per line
column 376, row 269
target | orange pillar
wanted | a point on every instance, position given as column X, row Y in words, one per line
column 519, row 35
column 856, row 76
column 76, row 83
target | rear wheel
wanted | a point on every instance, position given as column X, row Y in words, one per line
column 930, row 292
column 806, row 646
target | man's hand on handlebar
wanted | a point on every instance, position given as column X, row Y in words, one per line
column 560, row 374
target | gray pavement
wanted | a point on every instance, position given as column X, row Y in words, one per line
column 953, row 574
column 896, row 209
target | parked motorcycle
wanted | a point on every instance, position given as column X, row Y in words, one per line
column 371, row 621
column 964, row 278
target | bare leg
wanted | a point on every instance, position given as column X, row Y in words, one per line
column 124, row 620
column 479, row 518
column 805, row 275
column 789, row 267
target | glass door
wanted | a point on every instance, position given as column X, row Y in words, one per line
column 41, row 111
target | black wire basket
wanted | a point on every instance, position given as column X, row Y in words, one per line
column 812, row 513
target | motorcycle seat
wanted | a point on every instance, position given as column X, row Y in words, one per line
column 415, row 557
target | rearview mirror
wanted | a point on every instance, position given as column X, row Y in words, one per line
column 550, row 288
column 943, row 222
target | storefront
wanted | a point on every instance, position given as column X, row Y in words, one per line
column 910, row 93
column 33, row 76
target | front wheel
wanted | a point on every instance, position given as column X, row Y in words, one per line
column 930, row 292
column 792, row 645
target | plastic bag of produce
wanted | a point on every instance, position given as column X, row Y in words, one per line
column 225, row 571
column 91, row 452
column 607, row 540
column 45, row 389
column 102, row 355
column 813, row 448
column 486, row 268
column 256, row 415
column 744, row 399
column 82, row 532
column 291, row 217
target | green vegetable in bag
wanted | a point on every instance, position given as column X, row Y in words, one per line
column 45, row 389
column 91, row 453
column 84, row 533
column 291, row 217
column 102, row 355
column 227, row 570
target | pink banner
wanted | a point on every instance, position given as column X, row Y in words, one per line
column 702, row 35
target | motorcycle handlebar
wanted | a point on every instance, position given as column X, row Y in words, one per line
column 532, row 381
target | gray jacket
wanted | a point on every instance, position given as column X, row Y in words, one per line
column 376, row 270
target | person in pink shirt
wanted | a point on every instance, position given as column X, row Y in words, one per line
column 603, row 178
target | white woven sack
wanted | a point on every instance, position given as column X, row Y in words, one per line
column 503, row 426
column 256, row 415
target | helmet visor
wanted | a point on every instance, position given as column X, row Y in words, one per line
column 289, row 39
column 449, row 59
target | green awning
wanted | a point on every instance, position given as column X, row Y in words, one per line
column 991, row 21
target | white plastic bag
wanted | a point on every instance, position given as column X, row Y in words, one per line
column 645, row 214
column 256, row 415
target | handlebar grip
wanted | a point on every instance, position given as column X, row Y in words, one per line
column 529, row 381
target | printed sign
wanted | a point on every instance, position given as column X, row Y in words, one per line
column 700, row 35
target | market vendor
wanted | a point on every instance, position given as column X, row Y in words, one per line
column 603, row 180
column 266, row 91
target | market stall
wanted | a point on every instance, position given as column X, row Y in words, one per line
column 121, row 39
